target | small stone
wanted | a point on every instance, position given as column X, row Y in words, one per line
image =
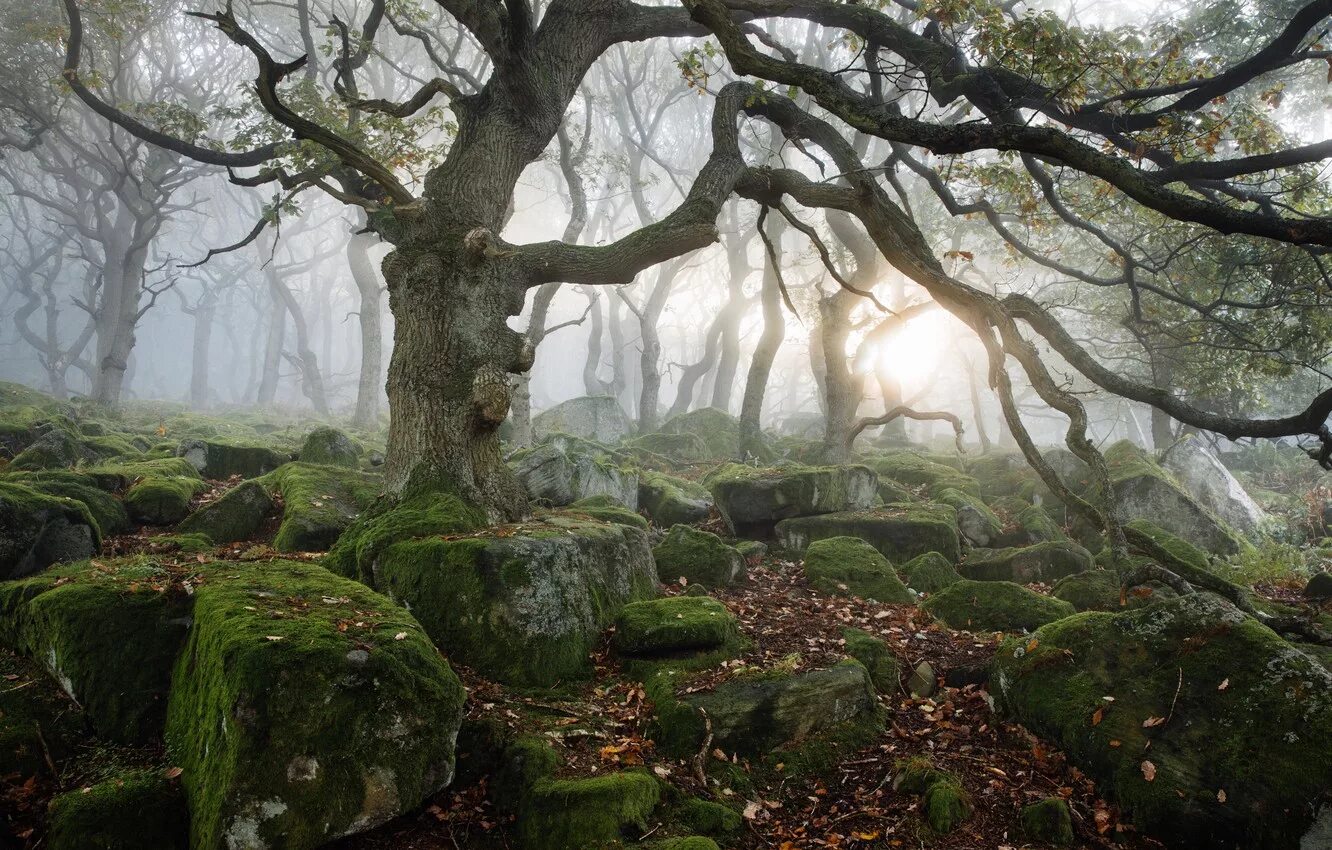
column 923, row 682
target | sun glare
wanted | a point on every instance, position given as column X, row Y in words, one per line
column 912, row 352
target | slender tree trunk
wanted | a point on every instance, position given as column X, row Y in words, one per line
column 368, row 386
column 204, row 314
column 312, row 380
column 842, row 391
column 621, row 375
column 760, row 367
column 977, row 411
column 689, row 378
column 277, row 332
column 117, row 315
column 728, row 360
column 592, row 383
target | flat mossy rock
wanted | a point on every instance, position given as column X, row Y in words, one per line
column 37, row 530
column 699, row 557
column 672, row 501
column 305, row 707
column 1091, row 590
column 120, row 475
column 929, row 573
column 357, row 550
column 606, row 509
column 318, row 503
column 994, row 606
column 525, row 603
column 1242, row 712
column 236, row 515
column 331, row 447
column 60, row 446
column 877, row 658
column 719, row 430
column 1043, row 562
column 1145, row 491
column 137, row 810
column 565, row 469
column 596, row 813
column 900, row 531
column 672, row 626
column 597, row 418
column 752, row 500
column 219, row 460
column 753, row 717
column 679, row 448
column 915, row 471
column 849, row 566
column 978, row 525
column 108, row 511
column 159, row 500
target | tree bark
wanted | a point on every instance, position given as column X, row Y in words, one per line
column 204, row 314
column 760, row 367
column 368, row 383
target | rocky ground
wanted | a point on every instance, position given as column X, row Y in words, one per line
column 210, row 624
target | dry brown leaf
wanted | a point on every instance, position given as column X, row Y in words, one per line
column 1148, row 771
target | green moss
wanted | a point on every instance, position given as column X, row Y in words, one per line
column 36, row 718
column 913, row 470
column 700, row 557
column 1001, row 474
column 900, row 531
column 945, row 805
column 318, row 503
column 587, row 814
column 689, row 842
column 708, row 818
column 718, row 430
column 672, row 501
column 358, row 549
column 674, row 625
column 752, row 500
column 122, row 475
column 1049, row 822
column 930, row 572
column 221, row 459
column 1093, row 590
column 234, row 516
column 37, row 530
column 1178, row 548
column 978, row 523
column 849, row 565
column 106, row 509
column 1043, row 562
column 1038, row 526
column 606, row 509
column 331, row 447
column 304, row 703
column 162, row 501
column 994, row 606
column 139, row 810
column 876, row 657
column 682, row 447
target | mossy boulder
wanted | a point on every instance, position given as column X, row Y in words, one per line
column 305, row 707
column 332, row 447
column 1203, row 476
column 318, row 503
column 1207, row 700
column 718, row 430
column 1048, row 821
column 677, row 448
column 59, row 447
column 607, row 509
column 877, row 658
column 162, row 500
column 597, row 418
column 357, row 550
column 759, row 716
column 688, row 842
column 565, row 469
column 929, row 573
column 915, row 471
column 1091, row 590
column 994, row 606
column 1044, row 562
column 136, row 810
column 120, row 475
column 680, row 624
column 900, row 531
column 944, row 803
column 699, row 557
column 1176, row 548
column 37, row 530
column 978, row 525
column 217, row 460
column 708, row 818
column 108, row 511
column 1001, row 474
column 234, row 516
column 1036, row 526
column 522, row 604
column 672, row 501
column 752, row 500
column 850, row 566
column 587, row 814
column 1143, row 490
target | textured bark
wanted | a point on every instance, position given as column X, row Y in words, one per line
column 760, row 367
column 842, row 390
column 368, row 381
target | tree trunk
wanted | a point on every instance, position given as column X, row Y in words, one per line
column 117, row 316
column 592, row 383
column 204, row 314
column 312, row 381
column 760, row 367
column 368, row 386
column 842, row 391
column 977, row 412
column 277, row 331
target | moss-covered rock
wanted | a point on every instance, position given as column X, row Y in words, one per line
column 331, row 447
column 688, row 842
column 108, row 511
column 945, row 804
column 913, row 470
column 1045, row 562
column 37, row 719
column 876, row 657
column 120, row 475
column 37, row 530
column 521, row 604
column 978, row 525
column 219, row 460
column 597, row 418
column 137, row 810
column 357, row 550
column 318, row 503
column 1049, row 822
column 994, row 606
column 234, row 516
column 60, row 447
column 565, row 469
column 161, row 500
column 1144, row 490
column 587, row 814
column 752, row 500
column 1037, row 526
column 305, row 707
column 678, row 448
column 675, row 625
column 699, row 557
column 606, row 509
column 1091, row 590
column 1178, row 548
column 929, row 573
column 672, row 501
column 708, row 818
column 719, row 430
column 1001, row 474
column 899, row 531
column 849, row 565
column 1232, row 708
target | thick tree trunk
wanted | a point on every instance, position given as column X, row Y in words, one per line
column 760, row 367
column 368, row 385
column 117, row 316
column 842, row 390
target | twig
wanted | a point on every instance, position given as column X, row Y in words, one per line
column 1178, row 688
column 46, row 753
column 701, row 760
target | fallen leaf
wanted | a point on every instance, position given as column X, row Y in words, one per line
column 1152, row 721
column 400, row 636
column 1097, row 715
column 1225, row 683
column 1221, row 796
column 273, row 637
column 1148, row 771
